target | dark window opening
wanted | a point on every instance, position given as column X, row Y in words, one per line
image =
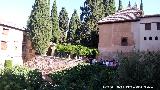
column 150, row 38
column 158, row 26
column 147, row 26
column 124, row 41
column 145, row 38
column 156, row 38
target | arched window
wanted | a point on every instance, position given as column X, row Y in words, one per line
column 124, row 41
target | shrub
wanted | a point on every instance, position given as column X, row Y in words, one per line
column 21, row 78
column 140, row 68
column 8, row 64
column 77, row 50
column 84, row 77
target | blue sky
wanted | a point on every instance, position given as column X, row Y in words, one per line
column 17, row 11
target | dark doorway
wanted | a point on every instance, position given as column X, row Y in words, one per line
column 49, row 51
column 124, row 41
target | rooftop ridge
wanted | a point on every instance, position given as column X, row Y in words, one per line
column 10, row 24
column 122, row 15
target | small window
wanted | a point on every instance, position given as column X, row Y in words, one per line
column 147, row 26
column 150, row 38
column 158, row 26
column 124, row 41
column 145, row 38
column 3, row 45
column 156, row 38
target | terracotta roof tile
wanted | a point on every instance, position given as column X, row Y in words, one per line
column 123, row 15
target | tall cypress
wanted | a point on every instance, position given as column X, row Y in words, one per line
column 141, row 5
column 129, row 4
column 120, row 5
column 74, row 26
column 63, row 24
column 40, row 26
column 55, row 26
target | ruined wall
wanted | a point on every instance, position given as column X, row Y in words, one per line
column 28, row 51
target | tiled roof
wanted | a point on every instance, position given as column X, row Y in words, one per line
column 129, row 14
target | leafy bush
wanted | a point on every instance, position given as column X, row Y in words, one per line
column 136, row 69
column 84, row 77
column 140, row 68
column 77, row 50
column 20, row 78
column 8, row 64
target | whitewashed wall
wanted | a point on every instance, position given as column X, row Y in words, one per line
column 14, row 46
column 135, row 28
column 149, row 44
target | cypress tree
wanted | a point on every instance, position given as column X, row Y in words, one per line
column 74, row 26
column 63, row 24
column 39, row 25
column 120, row 5
column 141, row 6
column 129, row 4
column 55, row 26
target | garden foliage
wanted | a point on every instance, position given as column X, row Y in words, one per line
column 135, row 69
column 140, row 68
column 76, row 50
column 8, row 64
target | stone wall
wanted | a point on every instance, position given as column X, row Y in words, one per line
column 110, row 36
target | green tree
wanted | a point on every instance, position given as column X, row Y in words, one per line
column 39, row 24
column 120, row 7
column 74, row 26
column 141, row 5
column 129, row 4
column 63, row 24
column 92, row 12
column 55, row 26
column 111, row 8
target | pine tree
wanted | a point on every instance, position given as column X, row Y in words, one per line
column 141, row 5
column 40, row 26
column 120, row 5
column 105, row 5
column 74, row 25
column 55, row 26
column 63, row 24
column 92, row 12
column 111, row 7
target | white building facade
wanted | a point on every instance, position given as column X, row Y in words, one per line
column 149, row 33
column 11, row 40
column 127, row 30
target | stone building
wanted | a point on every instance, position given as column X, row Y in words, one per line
column 127, row 30
column 11, row 43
